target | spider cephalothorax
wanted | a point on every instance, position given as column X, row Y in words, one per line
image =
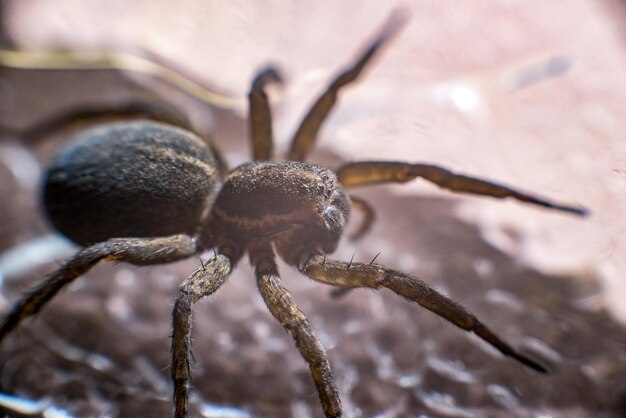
column 293, row 203
column 149, row 193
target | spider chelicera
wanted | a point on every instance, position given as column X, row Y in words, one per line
column 145, row 192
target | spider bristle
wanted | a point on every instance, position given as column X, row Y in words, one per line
column 351, row 260
column 375, row 257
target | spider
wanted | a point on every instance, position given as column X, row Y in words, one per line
column 147, row 192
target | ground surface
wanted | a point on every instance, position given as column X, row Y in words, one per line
column 531, row 96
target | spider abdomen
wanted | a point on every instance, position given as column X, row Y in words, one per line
column 131, row 179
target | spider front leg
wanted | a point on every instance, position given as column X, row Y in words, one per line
column 282, row 306
column 376, row 276
column 377, row 172
column 205, row 281
column 306, row 134
column 138, row 251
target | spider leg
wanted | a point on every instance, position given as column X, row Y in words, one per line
column 369, row 215
column 306, row 134
column 376, row 276
column 159, row 112
column 260, row 116
column 377, row 172
column 284, row 309
column 205, row 281
column 138, row 251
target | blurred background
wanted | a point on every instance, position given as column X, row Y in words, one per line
column 529, row 94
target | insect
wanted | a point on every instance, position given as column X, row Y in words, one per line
column 147, row 193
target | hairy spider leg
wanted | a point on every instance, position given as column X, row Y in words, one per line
column 203, row 282
column 159, row 112
column 260, row 115
column 306, row 134
column 282, row 306
column 138, row 251
column 376, row 172
column 376, row 276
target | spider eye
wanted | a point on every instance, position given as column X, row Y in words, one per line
column 327, row 186
column 324, row 190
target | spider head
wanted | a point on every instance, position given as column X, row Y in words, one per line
column 326, row 230
column 319, row 236
column 294, row 204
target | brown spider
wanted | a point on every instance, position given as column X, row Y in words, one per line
column 149, row 193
